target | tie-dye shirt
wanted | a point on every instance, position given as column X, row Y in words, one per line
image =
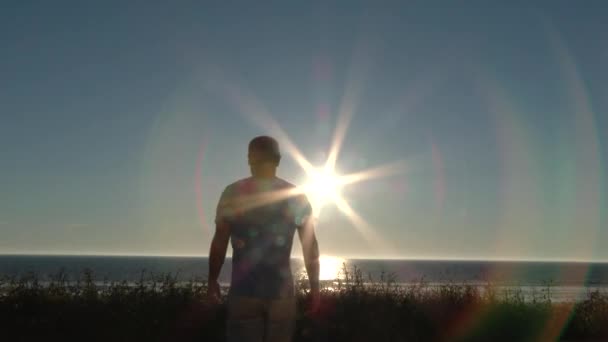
column 263, row 215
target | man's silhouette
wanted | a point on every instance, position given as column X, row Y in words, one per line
column 259, row 216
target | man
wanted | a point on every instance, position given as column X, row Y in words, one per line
column 259, row 216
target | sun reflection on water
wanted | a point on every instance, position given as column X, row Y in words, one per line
column 331, row 267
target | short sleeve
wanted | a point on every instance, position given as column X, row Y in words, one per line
column 225, row 209
column 302, row 210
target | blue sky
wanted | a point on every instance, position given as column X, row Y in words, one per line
column 119, row 128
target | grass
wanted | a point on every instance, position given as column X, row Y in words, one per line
column 355, row 308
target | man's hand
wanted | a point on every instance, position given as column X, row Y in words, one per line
column 214, row 293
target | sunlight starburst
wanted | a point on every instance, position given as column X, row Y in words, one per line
column 324, row 184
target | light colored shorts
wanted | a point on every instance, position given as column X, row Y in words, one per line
column 260, row 320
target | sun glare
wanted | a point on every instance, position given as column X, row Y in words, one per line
column 323, row 187
column 330, row 267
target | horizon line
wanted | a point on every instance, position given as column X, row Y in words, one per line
column 387, row 258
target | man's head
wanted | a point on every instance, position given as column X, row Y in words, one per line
column 264, row 156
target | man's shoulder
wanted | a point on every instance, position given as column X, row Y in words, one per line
column 249, row 185
column 284, row 184
column 234, row 186
column 300, row 197
column 278, row 183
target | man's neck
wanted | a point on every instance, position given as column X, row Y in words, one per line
column 264, row 172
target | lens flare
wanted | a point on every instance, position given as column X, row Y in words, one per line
column 323, row 186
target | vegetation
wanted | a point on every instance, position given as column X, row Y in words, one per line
column 355, row 308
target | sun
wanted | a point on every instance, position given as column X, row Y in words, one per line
column 322, row 187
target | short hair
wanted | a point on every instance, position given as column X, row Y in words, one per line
column 264, row 148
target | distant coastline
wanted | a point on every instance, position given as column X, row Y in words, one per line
column 458, row 259
column 120, row 267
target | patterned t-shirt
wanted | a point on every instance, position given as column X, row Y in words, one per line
column 263, row 215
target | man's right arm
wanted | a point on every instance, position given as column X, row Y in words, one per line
column 219, row 244
column 217, row 255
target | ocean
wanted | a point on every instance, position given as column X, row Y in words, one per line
column 566, row 280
